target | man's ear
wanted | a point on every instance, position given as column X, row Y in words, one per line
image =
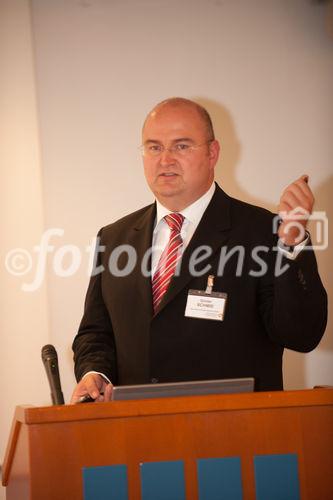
column 214, row 152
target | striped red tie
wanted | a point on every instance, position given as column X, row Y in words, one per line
column 168, row 261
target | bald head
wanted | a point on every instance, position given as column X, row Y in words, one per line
column 181, row 102
column 180, row 152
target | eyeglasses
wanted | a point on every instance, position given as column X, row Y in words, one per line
column 178, row 149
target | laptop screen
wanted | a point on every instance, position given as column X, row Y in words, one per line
column 195, row 388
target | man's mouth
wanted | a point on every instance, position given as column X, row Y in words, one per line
column 168, row 174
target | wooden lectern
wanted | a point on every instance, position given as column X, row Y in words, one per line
column 52, row 450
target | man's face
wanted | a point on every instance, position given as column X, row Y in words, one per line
column 177, row 180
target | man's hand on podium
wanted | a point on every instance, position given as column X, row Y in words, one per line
column 93, row 385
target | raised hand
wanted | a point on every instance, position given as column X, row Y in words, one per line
column 295, row 207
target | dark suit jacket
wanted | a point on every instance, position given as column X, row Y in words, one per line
column 120, row 337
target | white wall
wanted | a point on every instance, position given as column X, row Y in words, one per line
column 264, row 69
column 23, row 317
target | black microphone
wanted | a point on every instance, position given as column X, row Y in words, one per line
column 50, row 360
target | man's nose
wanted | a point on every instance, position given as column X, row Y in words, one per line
column 167, row 157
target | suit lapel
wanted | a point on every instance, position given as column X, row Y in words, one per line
column 142, row 242
column 212, row 231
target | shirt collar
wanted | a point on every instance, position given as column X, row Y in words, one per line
column 192, row 213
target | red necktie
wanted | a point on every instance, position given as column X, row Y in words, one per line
column 168, row 261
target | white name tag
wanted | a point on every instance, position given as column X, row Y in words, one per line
column 205, row 305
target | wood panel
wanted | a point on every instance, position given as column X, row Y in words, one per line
column 62, row 440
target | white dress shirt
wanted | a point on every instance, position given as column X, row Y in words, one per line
column 192, row 216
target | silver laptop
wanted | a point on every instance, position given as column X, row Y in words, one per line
column 196, row 388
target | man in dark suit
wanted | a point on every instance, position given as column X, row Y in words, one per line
column 197, row 286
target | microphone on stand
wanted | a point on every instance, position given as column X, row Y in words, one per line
column 50, row 360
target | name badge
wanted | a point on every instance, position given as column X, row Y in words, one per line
column 206, row 304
